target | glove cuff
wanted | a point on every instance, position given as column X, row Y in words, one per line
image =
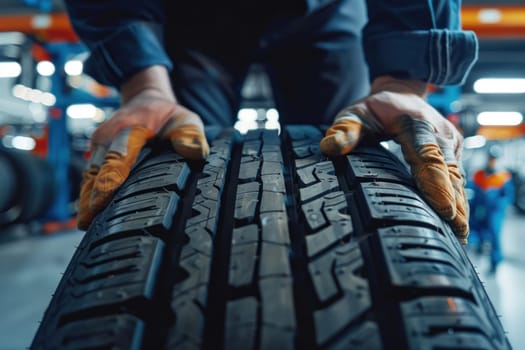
column 389, row 83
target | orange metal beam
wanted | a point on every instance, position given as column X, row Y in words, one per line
column 47, row 27
column 486, row 21
column 502, row 132
column 496, row 21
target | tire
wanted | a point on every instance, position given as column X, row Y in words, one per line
column 34, row 191
column 8, row 183
column 269, row 245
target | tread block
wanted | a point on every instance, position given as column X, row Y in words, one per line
column 277, row 338
column 249, row 171
column 197, row 273
column 448, row 322
column 170, row 174
column 273, row 183
column 274, row 228
column 271, row 168
column 334, row 272
column 241, row 325
column 246, row 205
column 251, row 147
column 120, row 332
column 245, row 234
column 272, row 201
column 334, row 318
column 248, row 187
column 242, row 264
column 415, row 260
column 323, row 211
column 189, row 322
column 339, row 269
column 320, row 179
column 365, row 336
column 274, row 260
column 199, row 241
column 338, row 233
column 149, row 212
column 388, row 201
column 277, row 311
column 120, row 272
column 367, row 164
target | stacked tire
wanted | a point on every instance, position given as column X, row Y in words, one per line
column 269, row 245
column 27, row 187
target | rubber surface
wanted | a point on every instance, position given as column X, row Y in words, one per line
column 8, row 183
column 269, row 245
column 34, row 187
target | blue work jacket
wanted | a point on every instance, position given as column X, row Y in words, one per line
column 411, row 39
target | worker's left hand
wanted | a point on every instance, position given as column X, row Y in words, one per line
column 116, row 145
column 430, row 144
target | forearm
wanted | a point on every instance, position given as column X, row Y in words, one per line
column 154, row 79
column 124, row 37
column 389, row 83
column 418, row 40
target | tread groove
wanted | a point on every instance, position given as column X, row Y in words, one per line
column 216, row 304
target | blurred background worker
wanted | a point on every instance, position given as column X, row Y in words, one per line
column 178, row 63
column 493, row 192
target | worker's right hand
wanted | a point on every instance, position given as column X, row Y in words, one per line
column 117, row 143
column 430, row 144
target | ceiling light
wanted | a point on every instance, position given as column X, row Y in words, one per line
column 23, row 143
column 10, row 69
column 82, row 111
column 45, row 68
column 489, row 15
column 247, row 115
column 472, row 142
column 500, row 118
column 500, row 86
column 272, row 115
column 74, row 67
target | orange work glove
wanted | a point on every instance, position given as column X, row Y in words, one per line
column 116, row 144
column 431, row 145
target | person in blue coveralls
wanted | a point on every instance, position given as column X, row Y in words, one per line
column 493, row 192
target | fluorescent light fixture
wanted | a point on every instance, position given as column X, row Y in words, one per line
column 10, row 69
column 82, row 111
column 500, row 118
column 272, row 125
column 23, row 142
column 19, row 91
column 247, row 115
column 45, row 68
column 244, row 126
column 500, row 86
column 34, row 95
column 74, row 67
column 48, row 99
column 272, row 115
column 473, row 142
column 489, row 15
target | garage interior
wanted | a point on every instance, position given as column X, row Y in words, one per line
column 49, row 109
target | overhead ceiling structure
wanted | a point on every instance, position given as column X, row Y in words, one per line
column 30, row 6
column 497, row 81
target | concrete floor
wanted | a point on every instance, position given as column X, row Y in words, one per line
column 30, row 269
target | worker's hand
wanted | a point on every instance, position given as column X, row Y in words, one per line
column 116, row 144
column 431, row 144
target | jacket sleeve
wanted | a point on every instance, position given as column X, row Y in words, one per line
column 124, row 37
column 419, row 40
